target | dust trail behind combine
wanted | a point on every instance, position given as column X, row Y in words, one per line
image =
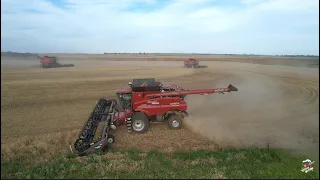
column 19, row 61
column 267, row 109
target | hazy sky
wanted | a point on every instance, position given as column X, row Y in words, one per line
column 172, row 26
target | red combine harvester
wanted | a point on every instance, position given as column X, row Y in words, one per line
column 146, row 101
column 52, row 62
column 191, row 63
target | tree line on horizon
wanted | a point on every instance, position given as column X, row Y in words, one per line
column 229, row 54
column 11, row 53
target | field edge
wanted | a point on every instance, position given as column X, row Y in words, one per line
column 223, row 163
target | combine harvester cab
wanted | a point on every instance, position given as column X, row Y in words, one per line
column 52, row 62
column 191, row 63
column 145, row 101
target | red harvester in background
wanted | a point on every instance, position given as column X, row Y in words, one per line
column 191, row 63
column 146, row 101
column 52, row 62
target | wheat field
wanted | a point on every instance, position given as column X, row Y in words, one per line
column 44, row 109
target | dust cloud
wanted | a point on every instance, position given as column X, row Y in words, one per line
column 33, row 62
column 19, row 61
column 262, row 113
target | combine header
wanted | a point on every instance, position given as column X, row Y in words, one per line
column 52, row 62
column 191, row 63
column 146, row 101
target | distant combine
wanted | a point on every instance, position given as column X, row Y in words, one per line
column 52, row 62
column 191, row 63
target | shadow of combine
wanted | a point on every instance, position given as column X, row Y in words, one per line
column 202, row 66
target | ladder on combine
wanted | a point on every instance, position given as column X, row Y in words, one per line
column 103, row 113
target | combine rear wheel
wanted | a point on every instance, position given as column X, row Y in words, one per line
column 139, row 122
column 175, row 122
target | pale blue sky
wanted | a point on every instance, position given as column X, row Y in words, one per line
column 164, row 26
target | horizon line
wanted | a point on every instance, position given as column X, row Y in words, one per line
column 143, row 53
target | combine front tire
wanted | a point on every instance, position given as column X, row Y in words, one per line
column 139, row 122
column 175, row 122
